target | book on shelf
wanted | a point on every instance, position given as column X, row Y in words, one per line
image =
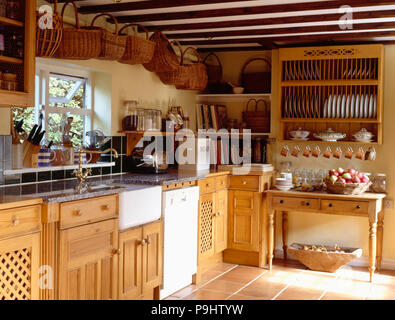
column 211, row 116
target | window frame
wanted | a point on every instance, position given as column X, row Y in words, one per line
column 42, row 97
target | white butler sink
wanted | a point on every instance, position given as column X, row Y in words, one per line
column 139, row 204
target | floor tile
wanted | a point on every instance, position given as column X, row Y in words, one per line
column 381, row 292
column 203, row 294
column 340, row 296
column 297, row 293
column 242, row 274
column 222, row 267
column 224, row 286
column 186, row 291
column 244, row 297
column 263, row 289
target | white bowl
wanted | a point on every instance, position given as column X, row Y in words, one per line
column 238, row 90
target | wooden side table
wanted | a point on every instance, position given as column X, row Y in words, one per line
column 368, row 205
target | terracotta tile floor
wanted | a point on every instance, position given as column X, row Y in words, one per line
column 288, row 281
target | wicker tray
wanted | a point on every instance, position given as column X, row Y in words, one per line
column 346, row 188
column 323, row 261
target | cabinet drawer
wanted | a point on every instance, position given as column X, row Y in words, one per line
column 357, row 207
column 20, row 220
column 250, row 183
column 207, row 185
column 221, row 182
column 89, row 210
column 296, row 203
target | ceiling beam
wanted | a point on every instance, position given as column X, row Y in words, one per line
column 146, row 5
column 243, row 11
column 280, row 30
column 271, row 21
column 313, row 37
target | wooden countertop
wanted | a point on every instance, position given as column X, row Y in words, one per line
column 364, row 196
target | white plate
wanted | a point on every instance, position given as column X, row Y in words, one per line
column 360, row 106
column 375, row 106
column 371, row 106
column 329, row 107
column 348, row 107
column 356, row 106
column 299, row 139
column 366, row 107
column 352, row 106
column 283, row 188
column 343, row 107
column 338, row 106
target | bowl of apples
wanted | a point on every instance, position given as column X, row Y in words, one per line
column 349, row 181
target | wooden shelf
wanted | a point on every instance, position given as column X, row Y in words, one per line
column 330, row 120
column 330, row 142
column 231, row 97
column 300, row 83
column 10, row 22
column 6, row 59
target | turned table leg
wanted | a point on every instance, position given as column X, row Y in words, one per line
column 380, row 230
column 270, row 237
column 285, row 233
column 372, row 246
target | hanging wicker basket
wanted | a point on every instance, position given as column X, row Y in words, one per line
column 164, row 59
column 256, row 82
column 138, row 50
column 48, row 39
column 178, row 76
column 112, row 45
column 197, row 74
column 257, row 121
column 78, row 43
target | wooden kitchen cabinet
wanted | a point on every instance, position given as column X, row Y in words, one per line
column 88, row 261
column 206, row 226
column 140, row 262
column 221, row 221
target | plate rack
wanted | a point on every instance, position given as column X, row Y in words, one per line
column 338, row 87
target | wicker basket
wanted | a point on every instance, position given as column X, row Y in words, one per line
column 323, row 261
column 164, row 58
column 78, row 43
column 138, row 50
column 256, row 82
column 346, row 188
column 48, row 40
column 257, row 121
column 177, row 77
column 197, row 74
column 112, row 45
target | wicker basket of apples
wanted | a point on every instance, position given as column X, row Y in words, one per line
column 349, row 181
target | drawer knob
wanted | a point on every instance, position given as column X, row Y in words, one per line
column 141, row 242
column 244, row 182
column 116, row 251
column 358, row 206
column 78, row 213
column 148, row 240
column 222, row 182
column 207, row 185
column 330, row 205
column 307, row 203
column 281, row 201
column 106, row 207
column 15, row 222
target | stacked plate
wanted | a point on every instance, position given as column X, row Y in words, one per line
column 363, row 106
column 283, row 184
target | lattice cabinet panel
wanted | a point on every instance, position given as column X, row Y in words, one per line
column 19, row 267
column 206, row 229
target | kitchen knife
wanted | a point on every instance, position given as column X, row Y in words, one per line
column 32, row 132
column 50, row 144
column 38, row 137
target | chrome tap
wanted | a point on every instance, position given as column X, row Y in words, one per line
column 80, row 174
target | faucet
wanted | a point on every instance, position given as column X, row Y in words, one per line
column 80, row 174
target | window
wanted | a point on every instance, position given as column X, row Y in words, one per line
column 61, row 93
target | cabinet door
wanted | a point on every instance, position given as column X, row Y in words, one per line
column 19, row 267
column 244, row 210
column 206, row 226
column 152, row 256
column 221, row 220
column 88, row 263
column 130, row 263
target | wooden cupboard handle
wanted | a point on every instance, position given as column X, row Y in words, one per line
column 116, row 251
column 307, row 203
column 281, row 201
column 106, row 207
column 244, row 182
column 15, row 222
column 330, row 205
column 78, row 213
column 148, row 240
column 141, row 242
column 358, row 206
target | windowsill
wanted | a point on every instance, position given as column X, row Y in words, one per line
column 57, row 168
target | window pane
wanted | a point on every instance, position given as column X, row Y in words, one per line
column 66, row 91
column 56, row 123
column 28, row 116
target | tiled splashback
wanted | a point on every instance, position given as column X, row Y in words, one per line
column 117, row 142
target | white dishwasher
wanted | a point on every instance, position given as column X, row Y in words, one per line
column 180, row 221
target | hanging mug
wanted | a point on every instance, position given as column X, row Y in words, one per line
column 327, row 153
column 337, row 153
column 349, row 153
column 370, row 154
column 295, row 151
column 284, row 151
column 69, row 156
column 316, row 152
column 307, row 152
column 360, row 154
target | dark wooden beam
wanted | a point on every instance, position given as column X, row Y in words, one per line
column 270, row 21
column 262, row 48
column 276, row 8
column 312, row 37
column 283, row 30
column 146, row 5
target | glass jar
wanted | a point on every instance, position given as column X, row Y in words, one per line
column 379, row 182
column 148, row 119
column 157, row 120
column 14, row 9
column 140, row 119
column 285, row 170
column 129, row 122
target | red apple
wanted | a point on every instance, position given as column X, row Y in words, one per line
column 352, row 171
column 365, row 180
column 342, row 180
column 340, row 170
column 333, row 178
column 346, row 176
column 360, row 175
column 356, row 180
column 349, row 181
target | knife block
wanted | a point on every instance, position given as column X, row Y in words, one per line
column 30, row 154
